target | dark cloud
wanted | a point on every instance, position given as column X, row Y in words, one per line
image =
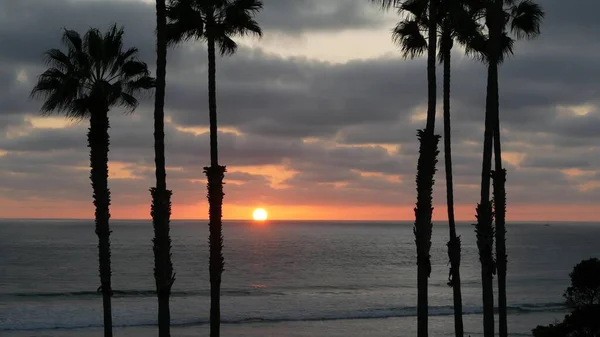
column 299, row 16
column 265, row 94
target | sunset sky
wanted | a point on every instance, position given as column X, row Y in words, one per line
column 318, row 118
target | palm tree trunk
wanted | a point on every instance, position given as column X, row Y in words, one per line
column 161, row 197
column 431, row 59
column 98, row 142
column 215, row 174
column 423, row 226
column 212, row 102
column 484, row 228
column 454, row 242
column 500, row 216
column 425, row 172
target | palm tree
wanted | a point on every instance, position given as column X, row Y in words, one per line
column 457, row 23
column 214, row 22
column 524, row 18
column 161, row 197
column 422, row 15
column 94, row 75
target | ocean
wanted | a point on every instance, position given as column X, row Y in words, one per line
column 282, row 278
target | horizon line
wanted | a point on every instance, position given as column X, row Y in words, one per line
column 301, row 220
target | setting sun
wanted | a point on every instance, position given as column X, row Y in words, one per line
column 259, row 214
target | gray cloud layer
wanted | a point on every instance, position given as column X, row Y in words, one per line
column 311, row 117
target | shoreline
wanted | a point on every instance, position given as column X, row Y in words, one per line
column 520, row 324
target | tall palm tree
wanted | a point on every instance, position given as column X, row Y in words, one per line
column 161, row 197
column 523, row 19
column 457, row 23
column 94, row 75
column 216, row 22
column 408, row 34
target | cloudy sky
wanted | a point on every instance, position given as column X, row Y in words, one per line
column 318, row 118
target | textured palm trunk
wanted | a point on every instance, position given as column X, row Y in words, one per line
column 500, row 216
column 423, row 226
column 484, row 228
column 98, row 142
column 215, row 174
column 425, row 172
column 454, row 242
column 161, row 197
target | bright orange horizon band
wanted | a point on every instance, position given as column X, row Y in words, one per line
column 36, row 209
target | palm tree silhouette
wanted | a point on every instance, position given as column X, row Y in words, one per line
column 94, row 75
column 457, row 23
column 161, row 197
column 214, row 22
column 421, row 16
column 492, row 46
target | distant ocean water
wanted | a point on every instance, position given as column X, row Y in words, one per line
column 289, row 279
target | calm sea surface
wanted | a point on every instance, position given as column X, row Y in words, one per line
column 281, row 279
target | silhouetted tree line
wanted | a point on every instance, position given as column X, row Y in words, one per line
column 583, row 297
column 96, row 73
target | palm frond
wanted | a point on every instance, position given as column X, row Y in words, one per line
column 134, row 68
column 112, row 48
column 72, row 40
column 408, row 36
column 238, row 18
column 48, row 82
column 226, row 45
column 251, row 7
column 506, row 47
column 476, row 46
column 108, row 93
column 186, row 21
column 120, row 60
column 142, row 83
column 118, row 94
column 55, row 58
column 526, row 19
column 128, row 101
column 464, row 24
column 93, row 43
column 82, row 61
column 416, row 8
column 59, row 95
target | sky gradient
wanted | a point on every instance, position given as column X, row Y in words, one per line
column 318, row 119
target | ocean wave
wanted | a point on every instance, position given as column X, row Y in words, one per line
column 372, row 313
column 537, row 307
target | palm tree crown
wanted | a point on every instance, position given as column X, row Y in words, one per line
column 217, row 19
column 523, row 18
column 94, row 72
column 455, row 18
